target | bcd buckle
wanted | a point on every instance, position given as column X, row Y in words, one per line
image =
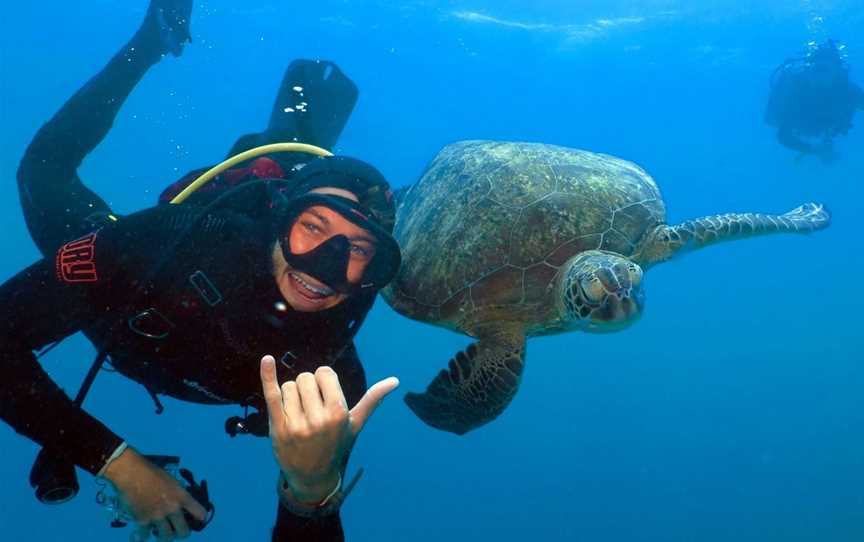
column 205, row 288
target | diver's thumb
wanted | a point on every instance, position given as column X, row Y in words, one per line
column 370, row 401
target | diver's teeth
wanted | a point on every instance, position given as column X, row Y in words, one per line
column 319, row 291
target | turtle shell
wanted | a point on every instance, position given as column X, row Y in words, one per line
column 487, row 228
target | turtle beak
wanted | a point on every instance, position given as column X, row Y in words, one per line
column 619, row 310
column 613, row 294
column 624, row 295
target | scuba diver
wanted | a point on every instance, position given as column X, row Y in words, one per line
column 249, row 292
column 812, row 100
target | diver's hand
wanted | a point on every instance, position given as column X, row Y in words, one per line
column 155, row 500
column 311, row 428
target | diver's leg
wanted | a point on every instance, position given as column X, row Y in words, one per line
column 56, row 204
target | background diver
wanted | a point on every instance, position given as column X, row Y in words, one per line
column 812, row 100
column 186, row 299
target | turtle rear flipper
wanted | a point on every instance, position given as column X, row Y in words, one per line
column 478, row 385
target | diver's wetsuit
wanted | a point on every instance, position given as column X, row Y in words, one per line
column 183, row 302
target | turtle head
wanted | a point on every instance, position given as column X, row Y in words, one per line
column 600, row 291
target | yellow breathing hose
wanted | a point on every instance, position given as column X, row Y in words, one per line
column 242, row 157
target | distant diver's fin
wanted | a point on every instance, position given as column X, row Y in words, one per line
column 313, row 105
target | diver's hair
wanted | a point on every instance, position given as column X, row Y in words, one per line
column 356, row 176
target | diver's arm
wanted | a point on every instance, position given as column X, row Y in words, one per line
column 328, row 527
column 290, row 527
column 312, row 432
column 39, row 309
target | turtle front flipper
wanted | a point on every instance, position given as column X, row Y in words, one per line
column 665, row 241
column 478, row 385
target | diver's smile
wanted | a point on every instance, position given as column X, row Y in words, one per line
column 308, row 287
column 303, row 292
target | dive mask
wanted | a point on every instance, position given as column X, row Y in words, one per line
column 328, row 262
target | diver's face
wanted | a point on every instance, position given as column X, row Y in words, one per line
column 314, row 226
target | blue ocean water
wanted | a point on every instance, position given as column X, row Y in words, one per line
column 731, row 411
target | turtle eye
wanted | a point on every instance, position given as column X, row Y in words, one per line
column 635, row 273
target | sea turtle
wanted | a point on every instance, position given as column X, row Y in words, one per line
column 504, row 241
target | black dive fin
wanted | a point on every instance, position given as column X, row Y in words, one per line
column 314, row 103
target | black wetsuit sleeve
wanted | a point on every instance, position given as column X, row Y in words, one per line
column 351, row 375
column 291, row 528
column 38, row 309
